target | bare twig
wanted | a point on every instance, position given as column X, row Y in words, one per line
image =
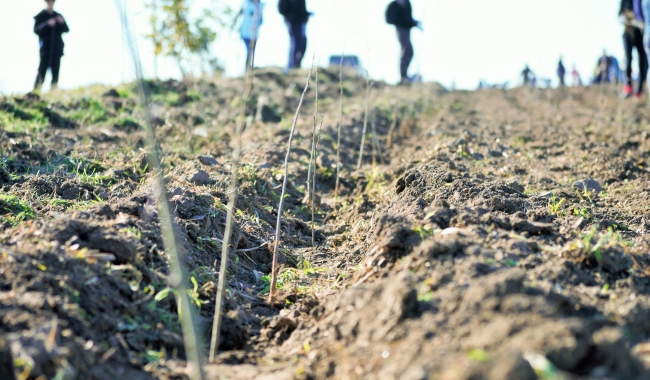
column 338, row 139
column 178, row 275
column 232, row 204
column 274, row 270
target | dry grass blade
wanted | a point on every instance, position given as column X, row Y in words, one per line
column 232, row 204
column 338, row 138
column 178, row 275
column 276, row 247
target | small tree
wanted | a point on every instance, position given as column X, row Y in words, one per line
column 176, row 34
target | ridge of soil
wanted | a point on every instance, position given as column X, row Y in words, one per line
column 487, row 235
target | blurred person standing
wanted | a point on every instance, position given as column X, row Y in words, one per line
column 251, row 13
column 296, row 17
column 528, row 76
column 575, row 76
column 400, row 14
column 49, row 26
column 603, row 69
column 631, row 14
column 645, row 7
column 561, row 72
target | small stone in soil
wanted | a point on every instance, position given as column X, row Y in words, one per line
column 264, row 165
column 200, row 178
column 208, row 160
column 546, row 194
column 588, row 184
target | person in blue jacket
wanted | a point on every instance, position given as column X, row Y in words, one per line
column 251, row 13
column 49, row 26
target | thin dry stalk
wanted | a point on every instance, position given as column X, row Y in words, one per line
column 312, row 167
column 313, row 188
column 365, row 121
column 601, row 105
column 375, row 139
column 276, row 247
column 391, row 129
column 178, row 275
column 313, row 144
column 338, row 139
column 620, row 120
column 232, row 203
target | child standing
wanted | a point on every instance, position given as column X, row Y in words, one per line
column 252, row 20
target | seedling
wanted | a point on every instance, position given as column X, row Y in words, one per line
column 478, row 355
column 555, row 205
column 424, row 231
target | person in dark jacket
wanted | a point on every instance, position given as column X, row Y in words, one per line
column 296, row 17
column 400, row 14
column 561, row 72
column 49, row 26
column 631, row 13
column 528, row 76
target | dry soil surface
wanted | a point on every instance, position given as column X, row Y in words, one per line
column 484, row 235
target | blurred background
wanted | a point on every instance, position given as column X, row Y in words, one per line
column 461, row 44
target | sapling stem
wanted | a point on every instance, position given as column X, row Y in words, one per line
column 232, row 202
column 276, row 247
column 620, row 120
column 338, row 138
column 376, row 148
column 365, row 121
column 313, row 144
column 393, row 124
column 313, row 188
column 312, row 167
column 178, row 275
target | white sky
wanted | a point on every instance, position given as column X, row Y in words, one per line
column 462, row 42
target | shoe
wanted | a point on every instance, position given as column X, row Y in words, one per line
column 638, row 95
column 627, row 91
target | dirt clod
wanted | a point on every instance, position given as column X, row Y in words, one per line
column 208, row 160
column 201, row 177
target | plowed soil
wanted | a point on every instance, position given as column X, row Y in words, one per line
column 485, row 235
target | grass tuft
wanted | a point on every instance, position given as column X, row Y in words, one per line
column 13, row 210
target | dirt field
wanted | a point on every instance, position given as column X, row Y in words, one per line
column 487, row 235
